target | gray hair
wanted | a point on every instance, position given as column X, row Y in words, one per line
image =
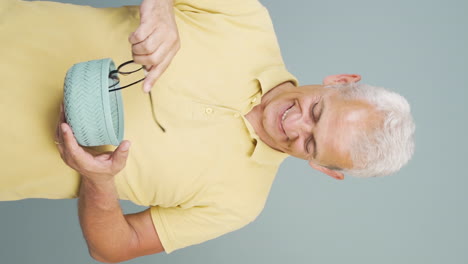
column 390, row 145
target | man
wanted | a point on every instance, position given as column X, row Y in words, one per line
column 231, row 110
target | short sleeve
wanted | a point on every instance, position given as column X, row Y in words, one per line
column 227, row 7
column 181, row 227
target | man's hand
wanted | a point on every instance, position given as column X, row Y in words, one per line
column 110, row 235
column 98, row 168
column 156, row 41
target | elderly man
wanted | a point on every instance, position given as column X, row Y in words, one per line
column 231, row 111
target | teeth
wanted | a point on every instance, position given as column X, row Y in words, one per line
column 284, row 115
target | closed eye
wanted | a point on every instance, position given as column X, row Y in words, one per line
column 312, row 111
column 310, row 141
column 321, row 111
column 307, row 143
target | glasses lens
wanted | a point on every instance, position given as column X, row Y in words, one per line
column 130, row 68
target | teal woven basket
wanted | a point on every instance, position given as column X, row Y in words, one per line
column 95, row 115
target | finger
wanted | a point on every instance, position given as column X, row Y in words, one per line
column 70, row 145
column 147, row 68
column 59, row 121
column 104, row 156
column 59, row 140
column 62, row 153
column 148, row 46
column 156, row 72
column 120, row 155
column 142, row 32
column 57, row 131
column 56, row 136
column 62, row 113
column 155, row 58
column 60, row 137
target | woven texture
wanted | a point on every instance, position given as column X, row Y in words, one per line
column 94, row 119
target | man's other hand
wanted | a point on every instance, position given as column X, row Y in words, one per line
column 156, row 41
column 98, row 168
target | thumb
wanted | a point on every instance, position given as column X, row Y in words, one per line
column 150, row 78
column 120, row 155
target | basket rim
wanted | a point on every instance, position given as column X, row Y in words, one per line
column 115, row 138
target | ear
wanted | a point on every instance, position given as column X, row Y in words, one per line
column 341, row 78
column 331, row 173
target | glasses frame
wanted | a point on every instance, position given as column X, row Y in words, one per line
column 114, row 76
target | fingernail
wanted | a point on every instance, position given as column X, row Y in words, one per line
column 126, row 146
column 146, row 88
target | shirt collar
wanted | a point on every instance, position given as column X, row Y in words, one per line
column 268, row 80
column 273, row 76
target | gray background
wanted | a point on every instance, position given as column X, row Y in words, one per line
column 419, row 215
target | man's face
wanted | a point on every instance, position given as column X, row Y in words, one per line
column 313, row 123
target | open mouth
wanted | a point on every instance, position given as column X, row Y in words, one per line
column 282, row 117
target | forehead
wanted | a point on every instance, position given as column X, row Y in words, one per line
column 343, row 118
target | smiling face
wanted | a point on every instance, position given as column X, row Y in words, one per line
column 311, row 122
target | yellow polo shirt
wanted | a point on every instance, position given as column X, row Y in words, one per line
column 209, row 174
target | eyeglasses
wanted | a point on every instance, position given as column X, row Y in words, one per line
column 113, row 75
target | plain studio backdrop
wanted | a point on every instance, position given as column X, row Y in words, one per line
column 418, row 215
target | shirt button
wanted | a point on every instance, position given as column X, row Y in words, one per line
column 208, row 110
column 236, row 115
column 254, row 100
